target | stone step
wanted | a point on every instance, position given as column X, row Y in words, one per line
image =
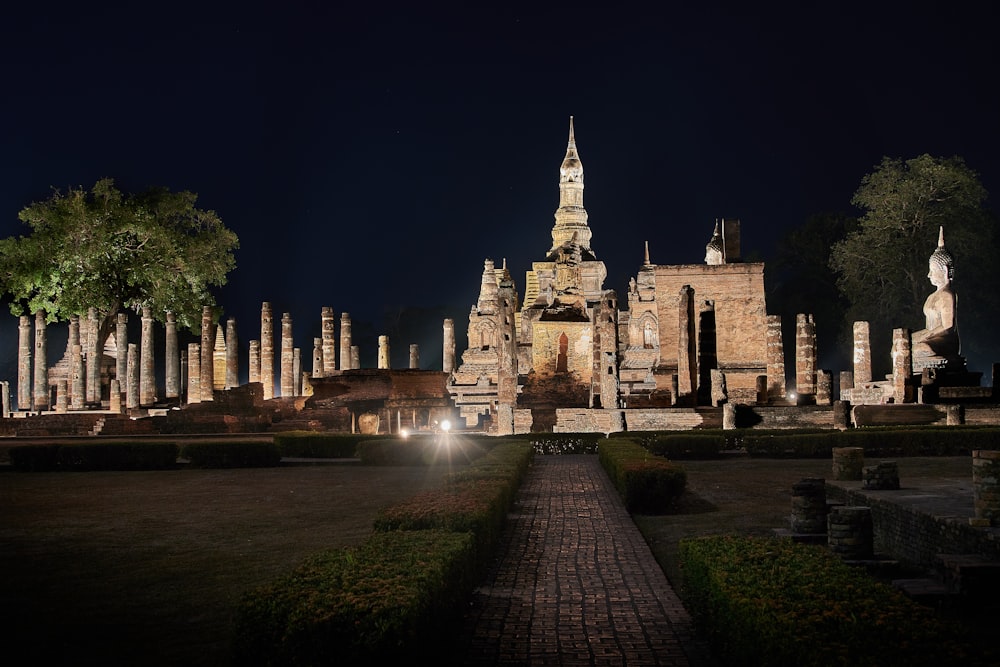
column 926, row 590
column 969, row 574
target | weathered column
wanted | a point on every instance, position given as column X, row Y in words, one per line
column 346, row 360
column 824, row 387
column 287, row 357
column 449, row 345
column 319, row 358
column 172, row 361
column 728, row 416
column 62, row 397
column 121, row 346
column 862, row 353
column 296, row 371
column 383, row 352
column 219, row 350
column 232, row 355
column 254, row 361
column 414, row 355
column 114, row 397
column 267, row 350
column 687, row 363
column 132, row 382
column 805, row 356
column 848, row 462
column 809, row 506
column 902, row 369
column 24, row 377
column 72, row 345
column 329, row 345
column 78, row 371
column 718, row 387
column 355, row 356
column 41, row 393
column 841, row 415
column 985, row 487
column 5, row 398
column 775, row 359
column 194, row 373
column 206, row 384
column 850, row 533
column 846, row 381
column 147, row 376
column 93, row 355
column 183, row 379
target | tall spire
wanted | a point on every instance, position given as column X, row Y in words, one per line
column 571, row 218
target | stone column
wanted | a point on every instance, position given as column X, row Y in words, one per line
column 62, row 397
column 824, row 387
column 346, row 360
column 267, row 350
column 287, row 357
column 41, row 363
column 449, row 346
column 183, row 379
column 319, row 358
column 254, row 370
column 219, row 352
column 728, row 416
column 115, row 397
column 902, row 369
column 355, row 356
column 147, row 376
column 687, row 363
column 121, row 346
column 194, row 373
column 24, row 377
column 383, row 352
column 132, row 382
column 4, row 399
column 94, row 352
column 862, row 353
column 805, row 356
column 78, row 372
column 207, row 362
column 75, row 353
column 985, row 488
column 846, row 381
column 718, row 387
column 296, row 371
column 414, row 356
column 232, row 355
column 775, row 359
column 329, row 345
column 172, row 362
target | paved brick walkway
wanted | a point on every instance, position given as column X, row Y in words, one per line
column 575, row 583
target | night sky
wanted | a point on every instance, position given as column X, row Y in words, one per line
column 370, row 160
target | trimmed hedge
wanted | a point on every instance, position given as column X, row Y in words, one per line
column 421, row 450
column 566, row 443
column 765, row 601
column 95, row 456
column 317, row 445
column 889, row 441
column 648, row 484
column 232, row 454
column 690, row 446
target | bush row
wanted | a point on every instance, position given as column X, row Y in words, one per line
column 678, row 446
column 318, row 445
column 764, row 601
column 398, row 595
column 231, row 454
column 92, row 456
column 923, row 441
column 648, row 484
column 566, row 443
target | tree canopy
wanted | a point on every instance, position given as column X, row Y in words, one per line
column 111, row 251
column 881, row 265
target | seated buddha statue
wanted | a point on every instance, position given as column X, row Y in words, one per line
column 937, row 344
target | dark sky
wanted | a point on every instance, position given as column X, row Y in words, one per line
column 370, row 160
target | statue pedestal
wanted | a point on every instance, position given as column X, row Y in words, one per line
column 934, row 379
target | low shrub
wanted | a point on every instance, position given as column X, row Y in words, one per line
column 648, row 484
column 566, row 443
column 685, row 446
column 231, row 454
column 317, row 445
column 887, row 441
column 764, row 601
column 95, row 456
column 34, row 458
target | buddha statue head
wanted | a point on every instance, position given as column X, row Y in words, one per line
column 941, row 265
column 714, row 252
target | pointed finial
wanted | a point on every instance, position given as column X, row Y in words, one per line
column 646, row 256
column 572, row 140
column 941, row 236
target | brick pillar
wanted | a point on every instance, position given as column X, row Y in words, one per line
column 846, row 381
column 296, row 371
column 902, row 370
column 287, row 357
column 775, row 359
column 253, row 373
column 121, row 346
column 41, row 392
column 687, row 363
column 449, row 346
column 207, row 350
column 805, row 356
column 267, row 350
column 824, row 387
column 194, row 373
column 4, row 399
column 862, row 353
column 132, row 381
column 62, row 397
column 355, row 356
column 414, row 356
column 94, row 354
column 329, row 345
column 319, row 358
column 24, row 377
column 232, row 355
column 219, row 350
column 115, row 397
column 172, row 359
column 147, row 377
column 383, row 352
column 183, row 375
column 346, row 360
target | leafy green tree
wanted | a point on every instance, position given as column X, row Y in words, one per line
column 881, row 266
column 111, row 251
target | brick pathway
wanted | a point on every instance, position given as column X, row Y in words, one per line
column 575, row 583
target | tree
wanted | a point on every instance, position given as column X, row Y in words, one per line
column 110, row 251
column 882, row 265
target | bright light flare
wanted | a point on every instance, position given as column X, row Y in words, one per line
column 446, row 426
